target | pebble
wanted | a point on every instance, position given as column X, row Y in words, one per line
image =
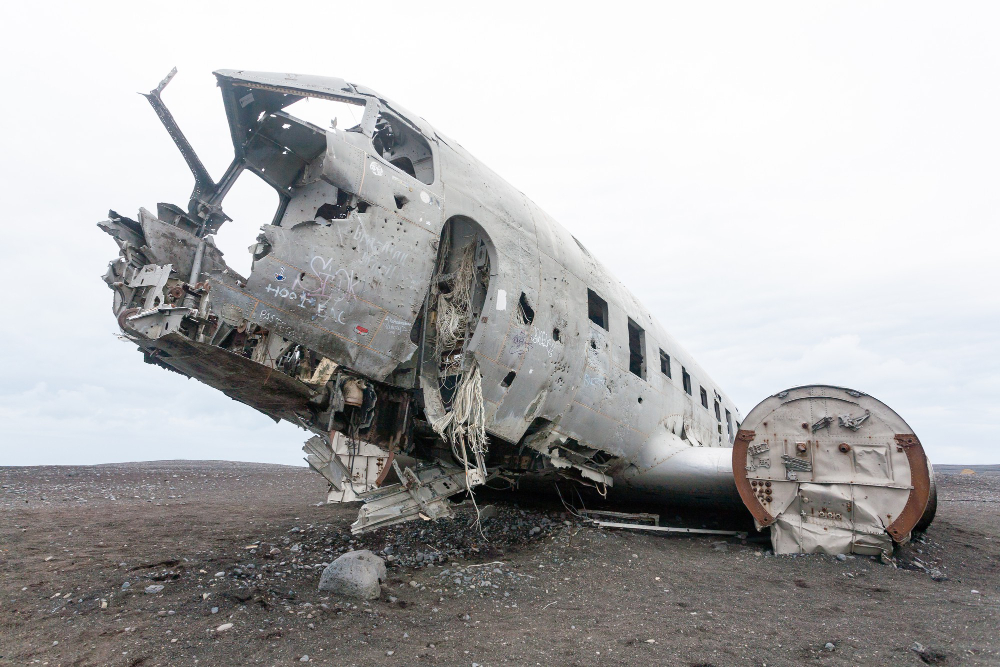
column 304, row 658
column 224, row 627
column 153, row 589
column 829, row 646
column 841, row 556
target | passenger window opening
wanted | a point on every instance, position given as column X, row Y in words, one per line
column 665, row 363
column 597, row 309
column 718, row 414
column 403, row 147
column 636, row 343
column 524, row 310
column 729, row 424
column 686, row 379
column 339, row 211
column 704, row 397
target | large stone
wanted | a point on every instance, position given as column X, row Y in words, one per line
column 355, row 574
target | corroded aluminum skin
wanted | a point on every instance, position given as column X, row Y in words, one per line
column 586, row 390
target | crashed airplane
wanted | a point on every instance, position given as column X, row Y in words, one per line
column 435, row 330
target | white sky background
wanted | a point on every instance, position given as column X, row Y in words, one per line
column 800, row 192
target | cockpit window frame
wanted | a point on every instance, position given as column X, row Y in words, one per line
column 431, row 144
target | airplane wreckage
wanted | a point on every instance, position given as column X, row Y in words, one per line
column 407, row 305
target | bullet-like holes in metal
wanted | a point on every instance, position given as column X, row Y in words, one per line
column 508, row 379
column 555, row 334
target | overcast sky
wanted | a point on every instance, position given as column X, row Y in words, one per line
column 800, row 192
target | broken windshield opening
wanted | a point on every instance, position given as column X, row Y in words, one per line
column 403, row 147
column 323, row 113
column 250, row 203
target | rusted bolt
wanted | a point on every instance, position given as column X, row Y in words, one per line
column 767, row 484
column 176, row 292
column 844, row 447
column 800, row 447
column 805, row 426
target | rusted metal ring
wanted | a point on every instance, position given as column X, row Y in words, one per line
column 124, row 315
column 920, row 480
column 844, row 447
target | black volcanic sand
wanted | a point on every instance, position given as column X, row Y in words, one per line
column 536, row 587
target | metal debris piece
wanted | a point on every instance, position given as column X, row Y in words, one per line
column 822, row 423
column 796, row 464
column 853, row 423
column 638, row 518
column 421, row 493
column 668, row 529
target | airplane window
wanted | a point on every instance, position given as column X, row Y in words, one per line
column 704, row 397
column 597, row 309
column 636, row 343
column 686, row 379
column 665, row 363
column 729, row 424
column 525, row 312
column 403, row 147
column 718, row 414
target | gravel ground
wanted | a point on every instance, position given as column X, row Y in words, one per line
column 184, row 563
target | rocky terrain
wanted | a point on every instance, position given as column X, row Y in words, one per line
column 217, row 563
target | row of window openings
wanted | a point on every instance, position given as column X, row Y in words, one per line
column 597, row 309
